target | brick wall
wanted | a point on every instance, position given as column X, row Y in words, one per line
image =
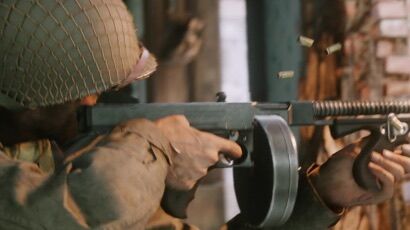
column 391, row 32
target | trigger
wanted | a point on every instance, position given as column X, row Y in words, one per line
column 224, row 162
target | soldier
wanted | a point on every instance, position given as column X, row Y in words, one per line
column 59, row 55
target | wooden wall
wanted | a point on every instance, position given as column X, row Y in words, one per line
column 184, row 36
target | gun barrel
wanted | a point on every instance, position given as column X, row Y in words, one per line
column 354, row 108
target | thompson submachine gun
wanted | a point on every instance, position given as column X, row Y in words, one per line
column 266, row 179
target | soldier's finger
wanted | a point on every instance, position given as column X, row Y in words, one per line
column 386, row 179
column 394, row 168
column 224, row 146
column 404, row 161
column 405, row 149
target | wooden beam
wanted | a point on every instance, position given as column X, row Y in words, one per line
column 273, row 28
column 205, row 69
column 170, row 82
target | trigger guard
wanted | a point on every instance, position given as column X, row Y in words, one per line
column 266, row 193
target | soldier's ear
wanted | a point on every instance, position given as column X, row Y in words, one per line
column 89, row 100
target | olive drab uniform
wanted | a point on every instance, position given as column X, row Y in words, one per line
column 38, row 152
column 56, row 51
column 108, row 184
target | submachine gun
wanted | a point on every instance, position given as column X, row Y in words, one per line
column 266, row 179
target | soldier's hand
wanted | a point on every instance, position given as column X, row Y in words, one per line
column 335, row 184
column 194, row 151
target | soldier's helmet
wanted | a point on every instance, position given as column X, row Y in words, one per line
column 55, row 51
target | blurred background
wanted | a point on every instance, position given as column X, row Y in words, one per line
column 240, row 46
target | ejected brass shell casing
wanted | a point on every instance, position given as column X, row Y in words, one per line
column 333, row 48
column 305, row 41
column 286, row 74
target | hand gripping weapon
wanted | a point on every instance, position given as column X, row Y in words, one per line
column 266, row 179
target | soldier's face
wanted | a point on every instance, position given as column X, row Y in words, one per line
column 57, row 122
column 89, row 100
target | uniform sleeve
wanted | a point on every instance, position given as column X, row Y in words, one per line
column 310, row 211
column 116, row 183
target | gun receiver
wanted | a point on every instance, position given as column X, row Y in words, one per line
column 266, row 180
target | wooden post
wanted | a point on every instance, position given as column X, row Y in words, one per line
column 170, row 82
column 179, row 82
column 206, row 67
column 273, row 29
column 198, row 80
